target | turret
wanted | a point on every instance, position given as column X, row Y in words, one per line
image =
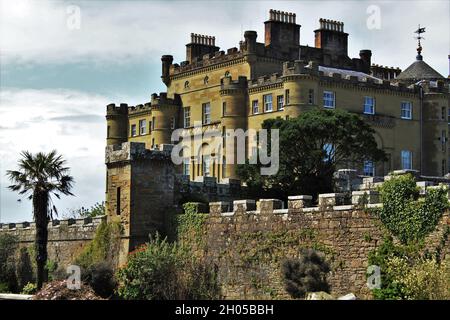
column 117, row 123
column 250, row 41
column 366, row 57
column 166, row 63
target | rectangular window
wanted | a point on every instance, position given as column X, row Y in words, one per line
column 444, row 167
column 255, row 107
column 224, row 109
column 267, row 98
column 142, row 127
column 369, row 168
column 153, row 143
column 118, row 201
column 369, row 105
column 286, row 94
column 150, row 126
column 153, row 123
column 206, row 113
column 206, row 165
column 186, row 167
column 406, row 158
column 406, row 110
column 280, row 102
column 443, row 140
column 311, row 96
column 329, row 151
column 187, row 117
column 133, row 130
column 328, row 99
column 224, row 168
column 443, row 113
column 172, row 123
column 107, row 131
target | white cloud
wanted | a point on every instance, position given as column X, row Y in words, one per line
column 41, row 120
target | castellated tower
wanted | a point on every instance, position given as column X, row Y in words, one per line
column 117, row 123
column 233, row 95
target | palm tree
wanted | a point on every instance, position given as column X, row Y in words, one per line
column 40, row 177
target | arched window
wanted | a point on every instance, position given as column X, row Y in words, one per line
column 227, row 73
column 206, row 80
column 186, row 84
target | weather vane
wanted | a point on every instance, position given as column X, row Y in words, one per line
column 419, row 37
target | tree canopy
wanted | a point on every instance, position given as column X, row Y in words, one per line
column 311, row 147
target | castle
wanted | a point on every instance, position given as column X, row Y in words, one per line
column 239, row 89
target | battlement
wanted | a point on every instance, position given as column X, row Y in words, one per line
column 227, row 83
column 112, row 109
column 54, row 224
column 130, row 151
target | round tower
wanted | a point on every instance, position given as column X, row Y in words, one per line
column 234, row 96
column 117, row 123
column 165, row 113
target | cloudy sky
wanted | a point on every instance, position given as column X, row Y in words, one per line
column 61, row 62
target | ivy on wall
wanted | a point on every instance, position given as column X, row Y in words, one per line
column 407, row 216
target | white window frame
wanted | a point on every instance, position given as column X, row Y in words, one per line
column 186, row 167
column 369, row 108
column 406, row 160
column 206, row 107
column 268, row 103
column 311, row 97
column 280, row 102
column 206, row 165
column 133, row 130
column 255, row 103
column 406, row 113
column 369, row 168
column 142, row 127
column 329, row 96
column 187, row 117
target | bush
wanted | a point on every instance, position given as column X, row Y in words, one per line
column 8, row 247
column 24, row 269
column 100, row 277
column 404, row 214
column 29, row 288
column 424, row 279
column 307, row 274
column 103, row 248
column 161, row 270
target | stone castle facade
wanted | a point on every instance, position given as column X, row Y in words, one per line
column 241, row 87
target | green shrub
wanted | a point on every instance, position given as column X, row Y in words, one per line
column 161, row 270
column 103, row 248
column 8, row 249
column 29, row 288
column 100, row 277
column 24, row 268
column 307, row 274
column 404, row 214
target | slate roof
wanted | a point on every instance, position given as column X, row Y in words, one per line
column 419, row 70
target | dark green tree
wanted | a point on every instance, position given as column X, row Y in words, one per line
column 40, row 177
column 306, row 274
column 311, row 147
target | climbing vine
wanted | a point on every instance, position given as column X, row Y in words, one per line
column 404, row 214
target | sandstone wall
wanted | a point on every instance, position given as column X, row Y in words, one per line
column 249, row 245
column 66, row 238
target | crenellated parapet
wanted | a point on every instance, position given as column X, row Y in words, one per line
column 131, row 151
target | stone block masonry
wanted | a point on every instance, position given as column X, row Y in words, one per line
column 66, row 238
column 249, row 246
